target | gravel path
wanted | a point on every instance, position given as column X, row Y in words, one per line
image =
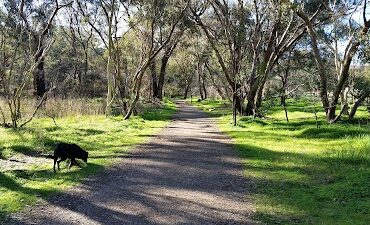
column 187, row 174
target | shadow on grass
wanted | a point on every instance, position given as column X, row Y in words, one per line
column 298, row 124
column 308, row 129
column 9, row 181
column 333, row 132
column 88, row 132
column 137, row 185
column 1, row 153
column 52, row 129
column 161, row 114
column 317, row 188
column 25, row 150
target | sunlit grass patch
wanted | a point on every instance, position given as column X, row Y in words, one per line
column 106, row 138
column 303, row 171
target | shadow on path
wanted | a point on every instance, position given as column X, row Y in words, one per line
column 187, row 174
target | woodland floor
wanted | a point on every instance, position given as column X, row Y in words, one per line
column 186, row 174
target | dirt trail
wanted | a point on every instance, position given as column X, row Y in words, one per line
column 187, row 174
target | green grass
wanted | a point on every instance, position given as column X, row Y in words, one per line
column 298, row 173
column 106, row 139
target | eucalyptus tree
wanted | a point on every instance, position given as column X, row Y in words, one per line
column 80, row 37
column 356, row 38
column 148, row 19
column 106, row 18
column 25, row 40
column 360, row 90
column 248, row 38
column 224, row 24
column 164, row 19
column 37, row 20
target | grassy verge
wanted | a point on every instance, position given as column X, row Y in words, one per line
column 302, row 174
column 105, row 138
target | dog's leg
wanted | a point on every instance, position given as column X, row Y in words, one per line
column 60, row 160
column 72, row 162
column 55, row 161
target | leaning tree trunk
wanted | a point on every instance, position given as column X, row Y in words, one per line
column 153, row 73
column 166, row 56
column 358, row 103
column 330, row 114
column 350, row 51
column 344, row 101
column 186, row 92
column 136, row 90
column 162, row 74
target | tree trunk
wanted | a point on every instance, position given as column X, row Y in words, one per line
column 259, row 96
column 239, row 105
column 234, row 108
column 137, row 86
column 162, row 74
column 204, row 87
column 251, row 108
column 187, row 88
column 110, row 76
column 283, row 98
column 110, row 87
column 166, row 56
column 344, row 102
column 39, row 79
column 86, row 69
column 358, row 103
column 350, row 51
column 200, row 86
column 253, row 88
column 153, row 73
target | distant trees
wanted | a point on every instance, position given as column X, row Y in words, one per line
column 26, row 38
column 244, row 51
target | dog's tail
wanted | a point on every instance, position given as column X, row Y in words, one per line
column 48, row 156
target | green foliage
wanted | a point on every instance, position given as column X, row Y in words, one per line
column 106, row 139
column 298, row 173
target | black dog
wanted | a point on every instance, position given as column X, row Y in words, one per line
column 65, row 151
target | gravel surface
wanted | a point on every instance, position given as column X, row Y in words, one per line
column 187, row 174
column 22, row 162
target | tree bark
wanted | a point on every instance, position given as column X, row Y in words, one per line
column 166, row 56
column 204, row 87
column 357, row 104
column 200, row 86
column 187, row 88
column 250, row 109
column 350, row 51
column 344, row 102
column 153, row 73
column 320, row 66
column 162, row 74
column 39, row 79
